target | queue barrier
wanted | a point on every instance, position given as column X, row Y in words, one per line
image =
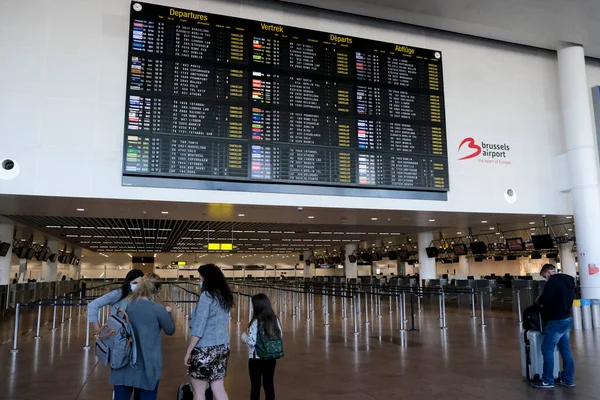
column 299, row 297
column 66, row 300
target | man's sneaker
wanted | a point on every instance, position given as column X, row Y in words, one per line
column 542, row 385
column 562, row 382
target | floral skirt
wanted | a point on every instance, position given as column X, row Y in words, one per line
column 209, row 363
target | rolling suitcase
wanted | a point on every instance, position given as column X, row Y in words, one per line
column 185, row 392
column 532, row 361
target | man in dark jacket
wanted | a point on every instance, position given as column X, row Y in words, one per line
column 556, row 301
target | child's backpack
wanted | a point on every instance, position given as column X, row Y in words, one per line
column 268, row 348
column 115, row 344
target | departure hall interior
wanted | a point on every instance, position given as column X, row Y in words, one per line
column 392, row 175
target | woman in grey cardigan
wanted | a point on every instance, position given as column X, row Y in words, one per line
column 208, row 349
column 116, row 298
column 148, row 319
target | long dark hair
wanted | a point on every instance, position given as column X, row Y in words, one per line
column 263, row 314
column 216, row 285
column 131, row 275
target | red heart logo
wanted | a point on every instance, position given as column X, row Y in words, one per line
column 593, row 269
column 475, row 147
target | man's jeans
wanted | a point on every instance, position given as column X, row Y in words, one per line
column 556, row 333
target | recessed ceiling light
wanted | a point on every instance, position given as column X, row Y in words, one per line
column 164, row 212
column 484, row 222
column 459, row 233
column 432, row 220
column 374, row 219
column 532, row 223
column 81, row 209
column 241, row 215
column 492, row 228
column 533, row 229
column 570, row 230
column 311, row 217
column 569, row 217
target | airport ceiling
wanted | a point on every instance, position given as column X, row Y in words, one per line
column 108, row 225
column 538, row 23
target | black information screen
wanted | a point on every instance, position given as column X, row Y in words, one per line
column 218, row 98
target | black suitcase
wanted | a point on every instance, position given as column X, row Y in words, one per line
column 185, row 393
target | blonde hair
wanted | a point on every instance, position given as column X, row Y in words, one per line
column 148, row 287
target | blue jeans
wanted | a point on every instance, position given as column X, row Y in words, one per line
column 556, row 333
column 125, row 392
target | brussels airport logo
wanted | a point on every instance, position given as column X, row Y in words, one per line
column 489, row 153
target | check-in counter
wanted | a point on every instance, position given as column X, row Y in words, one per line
column 3, row 298
column 434, row 283
column 464, row 300
column 487, row 286
column 526, row 291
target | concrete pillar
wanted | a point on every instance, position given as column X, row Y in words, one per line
column 145, row 267
column 463, row 266
column 308, row 268
column 22, row 270
column 582, row 154
column 50, row 269
column 350, row 269
column 7, row 231
column 426, row 264
column 567, row 259
column 401, row 267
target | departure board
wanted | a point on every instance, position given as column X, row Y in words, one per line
column 211, row 97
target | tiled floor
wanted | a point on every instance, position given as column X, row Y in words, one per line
column 465, row 361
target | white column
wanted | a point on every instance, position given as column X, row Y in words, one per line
column 22, row 270
column 567, row 259
column 308, row 269
column 463, row 266
column 350, row 269
column 6, row 235
column 50, row 269
column 426, row 264
column 583, row 170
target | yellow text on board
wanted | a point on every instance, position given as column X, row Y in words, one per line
column 271, row 27
column 404, row 49
column 188, row 14
column 340, row 39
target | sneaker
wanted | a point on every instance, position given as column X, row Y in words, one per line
column 542, row 385
column 562, row 382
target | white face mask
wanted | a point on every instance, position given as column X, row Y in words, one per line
column 133, row 286
column 201, row 284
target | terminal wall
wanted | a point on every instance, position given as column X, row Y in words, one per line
column 62, row 105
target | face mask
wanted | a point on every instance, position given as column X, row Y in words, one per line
column 133, row 286
column 201, row 284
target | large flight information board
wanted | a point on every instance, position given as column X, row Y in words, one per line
column 211, row 97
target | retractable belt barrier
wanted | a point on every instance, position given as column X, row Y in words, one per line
column 299, row 297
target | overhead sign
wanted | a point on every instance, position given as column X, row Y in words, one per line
column 179, row 263
column 220, row 247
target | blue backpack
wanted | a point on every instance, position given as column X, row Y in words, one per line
column 115, row 345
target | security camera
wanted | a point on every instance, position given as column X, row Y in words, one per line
column 9, row 169
column 300, row 208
